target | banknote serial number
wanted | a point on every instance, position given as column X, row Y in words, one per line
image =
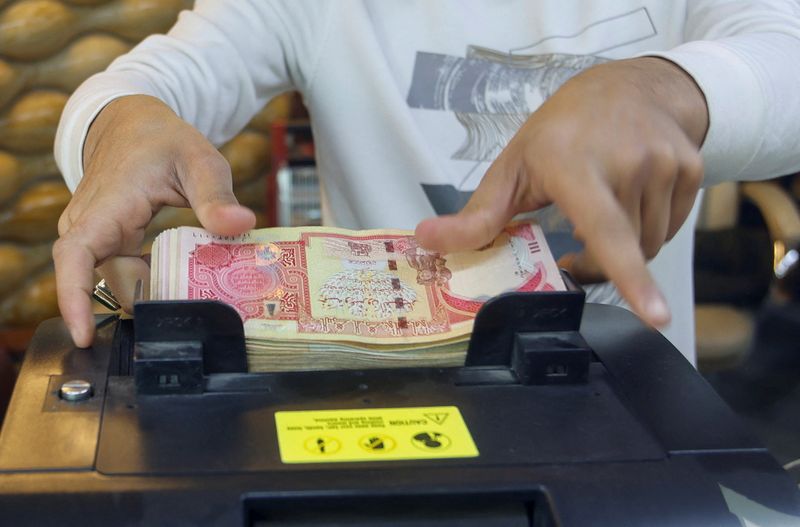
column 208, row 236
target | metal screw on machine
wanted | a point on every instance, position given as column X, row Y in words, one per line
column 76, row 390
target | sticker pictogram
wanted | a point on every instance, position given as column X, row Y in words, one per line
column 431, row 441
column 378, row 443
column 322, row 445
column 438, row 418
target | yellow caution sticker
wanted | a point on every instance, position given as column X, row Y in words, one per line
column 376, row 434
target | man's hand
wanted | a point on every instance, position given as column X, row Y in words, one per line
column 138, row 157
column 617, row 149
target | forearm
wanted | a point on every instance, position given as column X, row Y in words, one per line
column 744, row 56
column 147, row 111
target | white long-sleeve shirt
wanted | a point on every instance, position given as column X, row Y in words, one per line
column 412, row 100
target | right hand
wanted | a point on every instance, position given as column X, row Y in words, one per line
column 138, row 157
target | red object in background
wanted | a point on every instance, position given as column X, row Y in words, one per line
column 7, row 377
column 12, row 346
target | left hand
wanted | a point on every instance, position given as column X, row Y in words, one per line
column 616, row 148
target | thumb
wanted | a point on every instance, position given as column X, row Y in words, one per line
column 490, row 208
column 208, row 186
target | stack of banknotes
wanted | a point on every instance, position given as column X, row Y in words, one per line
column 315, row 298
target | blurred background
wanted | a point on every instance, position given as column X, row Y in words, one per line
column 747, row 280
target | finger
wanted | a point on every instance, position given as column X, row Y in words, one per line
column 92, row 230
column 121, row 274
column 612, row 243
column 208, row 186
column 74, row 266
column 685, row 190
column 630, row 199
column 656, row 210
column 77, row 252
column 581, row 265
column 488, row 210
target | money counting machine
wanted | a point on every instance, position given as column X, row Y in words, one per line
column 563, row 415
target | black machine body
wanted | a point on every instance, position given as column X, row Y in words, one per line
column 564, row 414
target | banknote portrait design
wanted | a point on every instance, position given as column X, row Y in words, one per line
column 492, row 93
column 431, row 267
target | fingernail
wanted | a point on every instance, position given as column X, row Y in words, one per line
column 657, row 310
column 78, row 336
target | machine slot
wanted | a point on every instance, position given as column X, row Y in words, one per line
column 465, row 510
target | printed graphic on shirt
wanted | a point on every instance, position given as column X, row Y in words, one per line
column 491, row 93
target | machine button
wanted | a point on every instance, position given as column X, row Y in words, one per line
column 76, row 390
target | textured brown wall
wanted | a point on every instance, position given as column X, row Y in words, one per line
column 47, row 47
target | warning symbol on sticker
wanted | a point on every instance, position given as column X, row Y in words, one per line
column 377, row 443
column 437, row 418
column 323, row 445
column 431, row 441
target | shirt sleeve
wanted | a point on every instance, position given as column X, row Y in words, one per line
column 217, row 66
column 745, row 57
